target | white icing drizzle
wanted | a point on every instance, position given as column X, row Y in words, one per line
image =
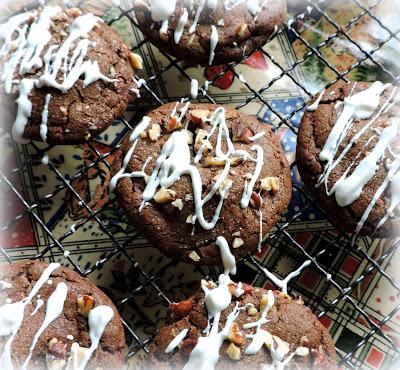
column 205, row 354
column 228, row 259
column 358, row 106
column 200, row 7
column 141, row 127
column 176, row 341
column 394, row 170
column 45, row 116
column 213, row 43
column 24, row 110
column 54, row 308
column 282, row 284
column 174, row 161
column 257, row 136
column 45, row 159
column 347, row 190
column 394, row 197
column 239, row 290
column 12, row 314
column 161, row 10
column 194, row 88
column 180, row 27
column 39, row 304
column 164, row 27
column 38, row 37
column 313, row 107
column 99, row 317
column 248, row 188
column 212, row 4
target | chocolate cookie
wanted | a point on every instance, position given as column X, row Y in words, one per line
column 70, row 73
column 191, row 193
column 255, row 330
column 209, row 32
column 50, row 317
column 348, row 156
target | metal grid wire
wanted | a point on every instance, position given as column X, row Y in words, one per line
column 326, row 246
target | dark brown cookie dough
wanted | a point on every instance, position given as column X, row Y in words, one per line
column 82, row 112
column 289, row 320
column 22, row 276
column 313, row 133
column 239, row 32
column 167, row 227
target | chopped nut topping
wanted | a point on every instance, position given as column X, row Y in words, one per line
column 302, row 351
column 154, row 132
column 180, row 310
column 56, row 355
column 199, row 116
column 243, row 31
column 194, row 256
column 241, row 133
column 233, row 352
column 248, row 175
column 189, row 219
column 235, row 161
column 173, row 124
column 235, row 335
column 143, row 134
column 136, row 61
column 64, row 110
column 178, row 204
column 73, row 12
column 202, row 141
column 237, row 242
column 85, row 304
column 164, row 196
column 270, row 184
column 225, row 187
column 236, row 233
column 263, row 302
column 256, row 200
column 212, row 161
column 188, row 197
column 252, row 311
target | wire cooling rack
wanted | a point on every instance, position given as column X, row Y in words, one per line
column 340, row 296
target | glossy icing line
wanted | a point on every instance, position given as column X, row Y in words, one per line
column 282, row 284
column 12, row 314
column 99, row 317
column 228, row 260
column 349, row 189
column 176, row 341
column 54, row 308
